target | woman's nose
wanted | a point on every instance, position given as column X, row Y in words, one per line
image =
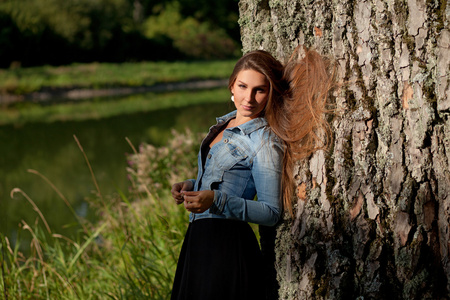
column 249, row 95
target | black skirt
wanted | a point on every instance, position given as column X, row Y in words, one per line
column 219, row 259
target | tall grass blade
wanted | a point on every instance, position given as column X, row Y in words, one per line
column 84, row 246
column 2, row 263
column 131, row 145
column 36, row 209
column 90, row 170
column 60, row 195
column 128, row 203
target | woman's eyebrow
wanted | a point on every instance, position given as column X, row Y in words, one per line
column 259, row 86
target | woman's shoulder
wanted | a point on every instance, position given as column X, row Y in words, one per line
column 264, row 138
column 255, row 133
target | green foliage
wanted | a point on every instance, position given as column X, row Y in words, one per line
column 74, row 21
column 131, row 253
column 193, row 38
column 62, row 31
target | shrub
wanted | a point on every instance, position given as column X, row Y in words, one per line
column 153, row 170
column 194, row 39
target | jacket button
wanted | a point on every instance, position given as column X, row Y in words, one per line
column 209, row 156
column 225, row 141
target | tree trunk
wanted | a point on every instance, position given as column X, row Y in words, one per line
column 372, row 214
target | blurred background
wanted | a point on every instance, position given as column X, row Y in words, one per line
column 37, row 32
column 50, row 49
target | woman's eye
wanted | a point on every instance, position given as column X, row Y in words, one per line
column 241, row 86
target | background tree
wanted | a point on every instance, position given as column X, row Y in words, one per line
column 372, row 214
column 36, row 32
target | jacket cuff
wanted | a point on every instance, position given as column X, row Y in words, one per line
column 193, row 182
column 218, row 203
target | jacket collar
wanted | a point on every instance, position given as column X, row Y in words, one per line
column 247, row 127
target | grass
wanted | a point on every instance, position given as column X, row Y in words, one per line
column 103, row 75
column 130, row 253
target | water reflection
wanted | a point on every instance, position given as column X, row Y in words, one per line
column 51, row 150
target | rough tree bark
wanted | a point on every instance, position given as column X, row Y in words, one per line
column 372, row 214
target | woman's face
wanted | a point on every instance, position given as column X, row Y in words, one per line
column 251, row 92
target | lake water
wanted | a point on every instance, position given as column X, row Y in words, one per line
column 50, row 149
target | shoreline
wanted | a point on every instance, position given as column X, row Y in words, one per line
column 50, row 95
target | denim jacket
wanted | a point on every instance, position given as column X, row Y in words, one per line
column 246, row 162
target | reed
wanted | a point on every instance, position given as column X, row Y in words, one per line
column 129, row 253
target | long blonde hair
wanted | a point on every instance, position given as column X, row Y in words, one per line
column 300, row 121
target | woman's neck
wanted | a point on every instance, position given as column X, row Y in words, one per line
column 239, row 120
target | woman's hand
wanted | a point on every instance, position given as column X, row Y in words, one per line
column 179, row 188
column 198, row 202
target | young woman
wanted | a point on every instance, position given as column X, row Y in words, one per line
column 241, row 158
